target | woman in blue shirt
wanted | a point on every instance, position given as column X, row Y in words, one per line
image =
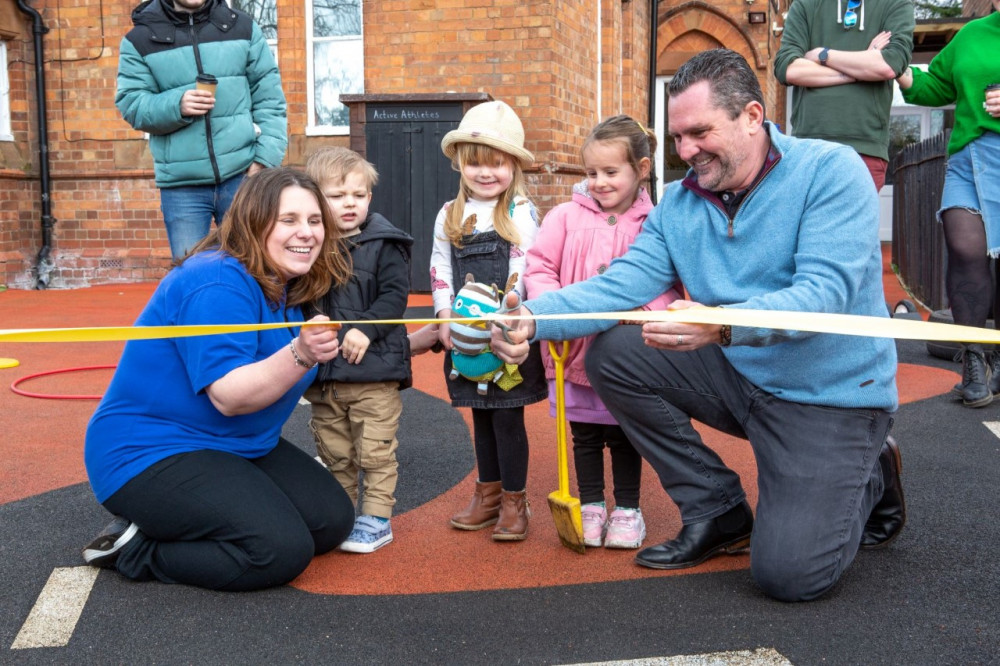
column 185, row 449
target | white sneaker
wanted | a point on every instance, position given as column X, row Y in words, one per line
column 626, row 529
column 594, row 518
column 369, row 534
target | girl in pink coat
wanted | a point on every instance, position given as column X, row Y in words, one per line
column 577, row 240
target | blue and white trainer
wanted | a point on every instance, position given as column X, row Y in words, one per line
column 369, row 534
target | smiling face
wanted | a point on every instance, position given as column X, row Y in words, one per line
column 723, row 151
column 349, row 201
column 294, row 242
column 486, row 180
column 611, row 180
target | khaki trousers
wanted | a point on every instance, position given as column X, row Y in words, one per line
column 355, row 429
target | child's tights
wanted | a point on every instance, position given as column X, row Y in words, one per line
column 501, row 442
column 589, row 440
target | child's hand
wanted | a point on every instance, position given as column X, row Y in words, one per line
column 355, row 345
column 423, row 339
column 444, row 328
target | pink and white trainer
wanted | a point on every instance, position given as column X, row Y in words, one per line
column 626, row 529
column 595, row 517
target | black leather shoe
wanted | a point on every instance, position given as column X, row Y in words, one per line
column 889, row 514
column 697, row 542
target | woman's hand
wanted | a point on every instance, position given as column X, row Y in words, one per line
column 318, row 344
column 992, row 103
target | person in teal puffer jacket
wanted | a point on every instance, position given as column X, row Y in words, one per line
column 203, row 141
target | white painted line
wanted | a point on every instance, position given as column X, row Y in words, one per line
column 54, row 616
column 994, row 427
column 758, row 657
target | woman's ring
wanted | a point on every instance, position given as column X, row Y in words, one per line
column 680, row 340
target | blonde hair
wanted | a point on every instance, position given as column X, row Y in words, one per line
column 639, row 142
column 248, row 223
column 332, row 165
column 477, row 153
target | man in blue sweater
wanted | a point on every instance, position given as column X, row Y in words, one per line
column 766, row 222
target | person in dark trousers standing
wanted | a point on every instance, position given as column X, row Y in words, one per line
column 842, row 58
column 199, row 78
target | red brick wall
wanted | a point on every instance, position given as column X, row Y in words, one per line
column 545, row 58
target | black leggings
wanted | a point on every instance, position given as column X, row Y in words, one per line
column 217, row 520
column 589, row 440
column 968, row 279
column 501, row 442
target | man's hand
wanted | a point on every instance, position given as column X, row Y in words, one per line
column 196, row 102
column 254, row 168
column 880, row 41
column 355, row 345
column 677, row 336
column 510, row 341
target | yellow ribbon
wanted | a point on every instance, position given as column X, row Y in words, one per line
column 843, row 324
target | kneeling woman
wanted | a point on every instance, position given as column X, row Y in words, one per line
column 185, row 449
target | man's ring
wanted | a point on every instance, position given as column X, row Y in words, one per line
column 680, row 340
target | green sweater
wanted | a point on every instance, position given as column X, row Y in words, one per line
column 856, row 114
column 959, row 75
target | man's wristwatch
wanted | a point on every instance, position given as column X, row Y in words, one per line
column 824, row 55
column 725, row 336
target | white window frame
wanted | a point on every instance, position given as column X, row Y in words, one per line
column 311, row 41
column 6, row 134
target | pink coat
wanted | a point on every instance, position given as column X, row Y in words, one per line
column 577, row 240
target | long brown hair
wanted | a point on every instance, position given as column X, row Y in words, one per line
column 249, row 221
column 478, row 153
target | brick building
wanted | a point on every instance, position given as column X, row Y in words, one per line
column 563, row 64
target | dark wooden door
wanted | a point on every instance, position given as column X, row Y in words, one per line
column 415, row 178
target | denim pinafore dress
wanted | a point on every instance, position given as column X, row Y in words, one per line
column 486, row 256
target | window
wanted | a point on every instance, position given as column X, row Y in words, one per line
column 335, row 62
column 265, row 14
column 5, row 132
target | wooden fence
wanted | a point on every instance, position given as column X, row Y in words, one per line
column 918, row 248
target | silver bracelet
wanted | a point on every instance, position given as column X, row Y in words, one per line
column 298, row 359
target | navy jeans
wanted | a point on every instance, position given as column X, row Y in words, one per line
column 223, row 522
column 818, row 475
column 188, row 211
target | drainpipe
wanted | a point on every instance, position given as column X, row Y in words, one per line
column 44, row 264
column 652, row 92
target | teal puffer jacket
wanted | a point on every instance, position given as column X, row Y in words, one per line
column 160, row 58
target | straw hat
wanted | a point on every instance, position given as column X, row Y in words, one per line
column 492, row 124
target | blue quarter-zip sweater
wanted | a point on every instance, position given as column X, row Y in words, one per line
column 805, row 238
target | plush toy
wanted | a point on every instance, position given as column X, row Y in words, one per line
column 471, row 356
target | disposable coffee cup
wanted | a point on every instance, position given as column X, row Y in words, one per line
column 206, row 82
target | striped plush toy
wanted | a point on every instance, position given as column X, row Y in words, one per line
column 471, row 356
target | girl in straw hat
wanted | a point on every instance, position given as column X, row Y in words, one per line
column 486, row 232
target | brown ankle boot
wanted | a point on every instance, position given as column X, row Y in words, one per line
column 483, row 510
column 514, row 514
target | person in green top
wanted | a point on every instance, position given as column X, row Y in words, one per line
column 961, row 74
column 842, row 56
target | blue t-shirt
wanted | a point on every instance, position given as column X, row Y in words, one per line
column 156, row 405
